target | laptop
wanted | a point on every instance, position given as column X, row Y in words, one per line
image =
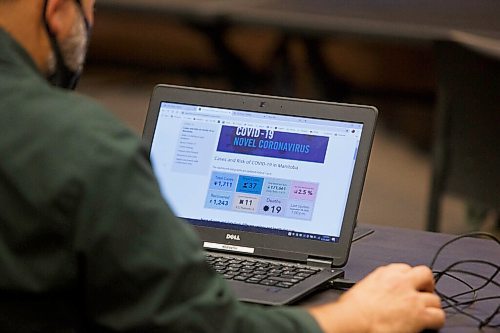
column 272, row 185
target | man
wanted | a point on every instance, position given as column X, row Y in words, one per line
column 86, row 240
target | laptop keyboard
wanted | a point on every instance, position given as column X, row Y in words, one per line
column 260, row 272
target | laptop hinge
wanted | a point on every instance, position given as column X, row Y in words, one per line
column 314, row 261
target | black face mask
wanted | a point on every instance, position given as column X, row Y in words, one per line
column 63, row 76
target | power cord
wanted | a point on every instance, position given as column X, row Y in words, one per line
column 341, row 284
column 454, row 272
column 457, row 271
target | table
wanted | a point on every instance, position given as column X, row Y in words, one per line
column 474, row 23
column 423, row 19
column 205, row 11
column 412, row 20
column 388, row 244
column 420, row 22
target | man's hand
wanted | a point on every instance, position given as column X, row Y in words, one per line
column 394, row 298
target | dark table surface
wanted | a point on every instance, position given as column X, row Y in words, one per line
column 417, row 19
column 203, row 11
column 420, row 19
column 387, row 245
column 474, row 23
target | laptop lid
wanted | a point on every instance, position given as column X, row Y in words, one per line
column 261, row 175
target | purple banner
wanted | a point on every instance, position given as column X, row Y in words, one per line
column 269, row 143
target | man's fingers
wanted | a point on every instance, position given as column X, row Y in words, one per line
column 401, row 267
column 434, row 318
column 431, row 300
column 422, row 278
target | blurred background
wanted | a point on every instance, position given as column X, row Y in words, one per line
column 382, row 53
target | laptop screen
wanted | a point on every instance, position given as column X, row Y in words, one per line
column 252, row 171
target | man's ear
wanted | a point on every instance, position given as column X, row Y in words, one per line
column 60, row 17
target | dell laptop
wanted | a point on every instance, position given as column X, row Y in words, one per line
column 271, row 184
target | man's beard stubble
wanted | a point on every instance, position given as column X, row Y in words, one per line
column 73, row 49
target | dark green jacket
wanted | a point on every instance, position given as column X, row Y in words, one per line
column 86, row 241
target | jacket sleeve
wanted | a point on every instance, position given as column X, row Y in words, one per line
column 144, row 269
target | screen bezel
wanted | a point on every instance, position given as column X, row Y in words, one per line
column 272, row 245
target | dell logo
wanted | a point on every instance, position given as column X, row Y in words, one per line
column 233, row 237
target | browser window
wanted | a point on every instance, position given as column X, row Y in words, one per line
column 254, row 171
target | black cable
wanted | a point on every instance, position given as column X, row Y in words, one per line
column 459, row 280
column 473, row 274
column 453, row 301
column 476, row 300
column 477, row 234
column 342, row 284
column 457, row 309
column 487, row 321
column 455, row 305
column 468, row 262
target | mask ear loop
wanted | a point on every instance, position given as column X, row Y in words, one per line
column 88, row 28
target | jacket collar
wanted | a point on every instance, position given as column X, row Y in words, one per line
column 12, row 53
